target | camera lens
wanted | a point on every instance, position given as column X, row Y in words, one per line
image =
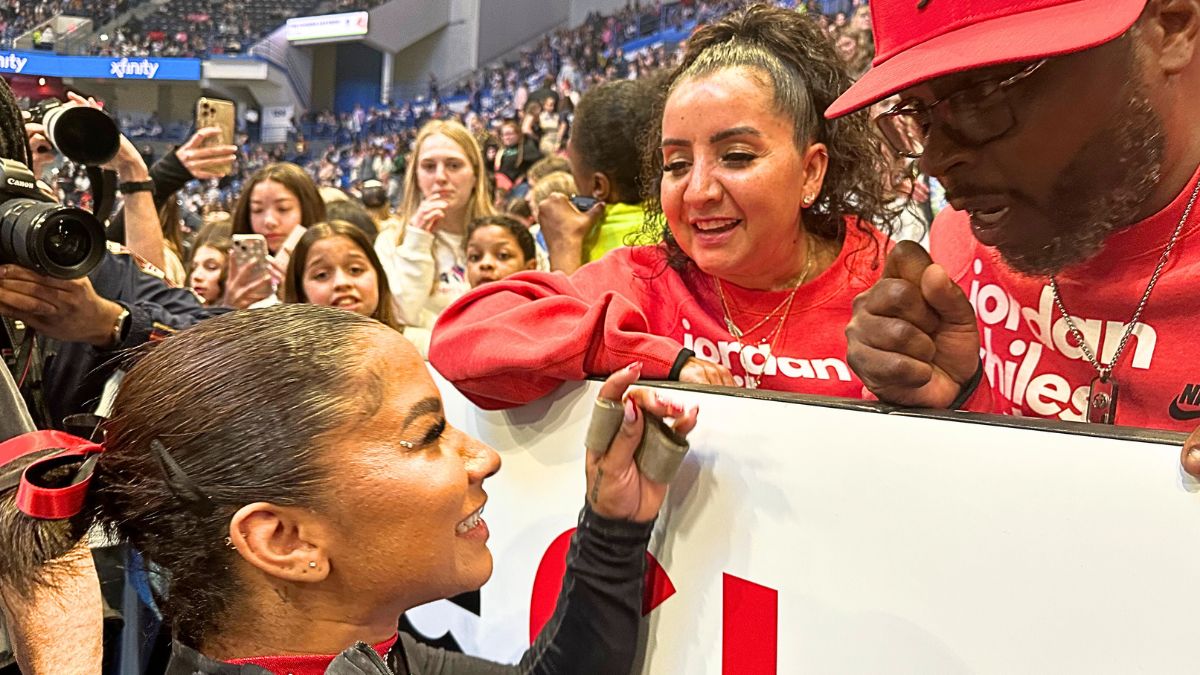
column 67, row 241
column 85, row 135
column 57, row 241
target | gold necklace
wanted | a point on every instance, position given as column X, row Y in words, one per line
column 753, row 381
column 738, row 333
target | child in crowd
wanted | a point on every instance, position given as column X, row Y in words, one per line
column 335, row 265
column 276, row 200
column 206, row 273
column 498, row 247
column 556, row 183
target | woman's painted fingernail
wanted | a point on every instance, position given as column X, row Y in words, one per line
column 635, row 366
column 630, row 411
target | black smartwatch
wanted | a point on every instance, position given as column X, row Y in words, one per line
column 136, row 186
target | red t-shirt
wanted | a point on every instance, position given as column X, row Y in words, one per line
column 509, row 342
column 1032, row 366
column 304, row 664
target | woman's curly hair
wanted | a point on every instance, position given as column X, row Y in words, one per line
column 800, row 61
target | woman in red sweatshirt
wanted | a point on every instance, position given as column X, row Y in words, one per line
column 764, row 216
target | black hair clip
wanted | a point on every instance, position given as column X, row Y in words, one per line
column 179, row 482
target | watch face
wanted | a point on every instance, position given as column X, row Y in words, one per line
column 121, row 326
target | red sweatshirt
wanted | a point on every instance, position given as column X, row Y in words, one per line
column 1034, row 368
column 509, row 342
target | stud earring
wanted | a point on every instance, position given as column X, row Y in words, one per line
column 312, row 565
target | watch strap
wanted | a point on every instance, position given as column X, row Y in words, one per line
column 136, row 186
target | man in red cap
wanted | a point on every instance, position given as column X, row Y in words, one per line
column 1065, row 134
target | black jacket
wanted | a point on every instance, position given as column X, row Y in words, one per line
column 593, row 631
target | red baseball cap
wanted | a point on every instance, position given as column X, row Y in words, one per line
column 918, row 40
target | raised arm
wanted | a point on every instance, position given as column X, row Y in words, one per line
column 594, row 628
column 509, row 342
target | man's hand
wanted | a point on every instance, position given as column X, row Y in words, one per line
column 1191, row 454
column 913, row 338
column 699, row 371
column 616, row 487
column 43, row 151
column 565, row 228
column 66, row 310
column 203, row 161
column 128, row 163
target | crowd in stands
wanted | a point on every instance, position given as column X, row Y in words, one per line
column 197, row 28
column 345, row 149
column 537, row 92
column 183, row 28
column 520, row 119
column 18, row 17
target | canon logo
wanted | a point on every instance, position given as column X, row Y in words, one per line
column 19, row 183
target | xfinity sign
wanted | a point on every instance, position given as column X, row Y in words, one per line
column 145, row 68
column 12, row 63
column 99, row 67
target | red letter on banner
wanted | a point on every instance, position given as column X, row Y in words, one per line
column 750, row 628
column 547, row 584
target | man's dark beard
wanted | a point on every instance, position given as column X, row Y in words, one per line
column 1088, row 211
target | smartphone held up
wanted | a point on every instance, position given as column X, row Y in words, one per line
column 218, row 113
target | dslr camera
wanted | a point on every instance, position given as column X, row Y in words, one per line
column 40, row 234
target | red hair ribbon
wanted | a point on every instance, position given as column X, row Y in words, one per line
column 37, row 498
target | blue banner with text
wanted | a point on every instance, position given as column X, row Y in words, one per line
column 100, row 67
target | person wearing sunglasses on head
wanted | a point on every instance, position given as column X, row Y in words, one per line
column 1064, row 133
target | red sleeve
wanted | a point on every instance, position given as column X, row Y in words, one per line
column 984, row 400
column 510, row 342
column 951, row 243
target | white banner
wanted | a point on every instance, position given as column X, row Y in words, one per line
column 326, row 28
column 807, row 539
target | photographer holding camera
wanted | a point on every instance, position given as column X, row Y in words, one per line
column 145, row 190
column 117, row 305
column 69, row 306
